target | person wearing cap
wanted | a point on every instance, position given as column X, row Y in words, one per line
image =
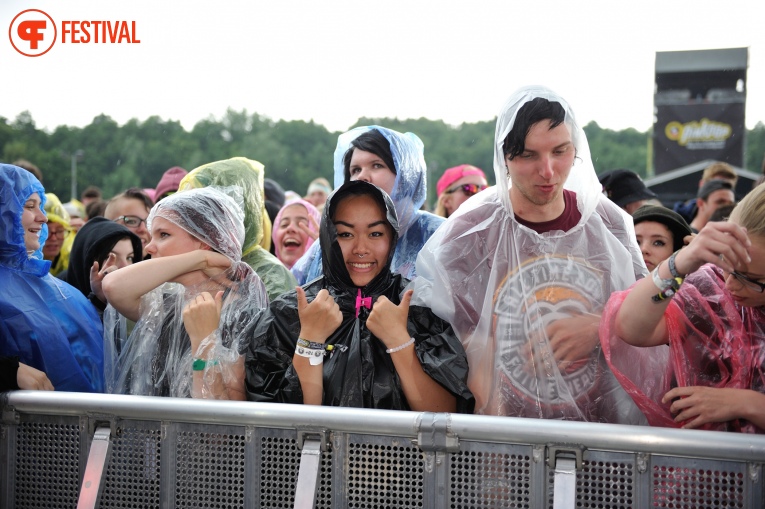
column 626, row 189
column 713, row 194
column 456, row 185
column 660, row 232
column 169, row 183
column 716, row 170
column 317, row 193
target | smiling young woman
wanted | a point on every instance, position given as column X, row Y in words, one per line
column 350, row 338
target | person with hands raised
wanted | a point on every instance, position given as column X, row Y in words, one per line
column 707, row 303
column 192, row 301
column 349, row 337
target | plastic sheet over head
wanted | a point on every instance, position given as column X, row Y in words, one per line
column 157, row 358
column 209, row 214
column 506, row 290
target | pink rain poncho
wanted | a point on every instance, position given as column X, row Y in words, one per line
column 501, row 284
column 713, row 342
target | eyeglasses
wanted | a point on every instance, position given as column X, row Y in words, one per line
column 62, row 233
column 131, row 221
column 468, row 189
column 749, row 282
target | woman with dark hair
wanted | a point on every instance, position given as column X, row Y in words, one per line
column 350, row 338
column 659, row 232
column 394, row 162
column 101, row 246
column 195, row 272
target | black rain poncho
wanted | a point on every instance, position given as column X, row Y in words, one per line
column 362, row 375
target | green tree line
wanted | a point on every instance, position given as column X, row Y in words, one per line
column 294, row 152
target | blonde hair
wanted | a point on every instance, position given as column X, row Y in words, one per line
column 719, row 169
column 750, row 212
column 440, row 210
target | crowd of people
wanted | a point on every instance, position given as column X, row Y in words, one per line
column 556, row 293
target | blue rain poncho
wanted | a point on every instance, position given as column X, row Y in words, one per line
column 157, row 358
column 44, row 321
column 501, row 284
column 409, row 193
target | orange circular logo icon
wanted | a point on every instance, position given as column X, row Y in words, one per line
column 32, row 33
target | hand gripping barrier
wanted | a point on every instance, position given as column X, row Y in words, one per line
column 182, row 453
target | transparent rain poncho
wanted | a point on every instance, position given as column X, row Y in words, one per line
column 247, row 175
column 409, row 193
column 500, row 284
column 157, row 358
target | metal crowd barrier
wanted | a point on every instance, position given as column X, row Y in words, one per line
column 66, row 450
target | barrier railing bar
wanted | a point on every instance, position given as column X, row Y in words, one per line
column 609, row 437
column 564, row 487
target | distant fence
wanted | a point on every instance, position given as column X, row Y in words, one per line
column 59, row 450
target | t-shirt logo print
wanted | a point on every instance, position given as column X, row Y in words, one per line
column 541, row 291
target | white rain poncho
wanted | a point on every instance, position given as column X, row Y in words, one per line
column 409, row 193
column 500, row 284
column 157, row 358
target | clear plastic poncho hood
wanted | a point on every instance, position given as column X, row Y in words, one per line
column 409, row 194
column 501, row 284
column 247, row 175
column 157, row 358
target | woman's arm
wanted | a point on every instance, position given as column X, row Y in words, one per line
column 318, row 320
column 640, row 320
column 387, row 321
column 701, row 405
column 125, row 287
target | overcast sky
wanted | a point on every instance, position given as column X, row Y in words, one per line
column 335, row 61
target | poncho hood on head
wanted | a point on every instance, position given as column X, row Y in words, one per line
column 94, row 240
column 247, row 175
column 582, row 180
column 207, row 214
column 17, row 186
column 312, row 211
column 333, row 262
column 410, row 188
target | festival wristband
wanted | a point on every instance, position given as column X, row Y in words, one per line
column 661, row 283
column 314, row 356
column 400, row 347
column 671, row 265
column 311, row 345
column 201, row 364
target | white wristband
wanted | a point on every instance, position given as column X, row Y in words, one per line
column 315, row 357
column 400, row 347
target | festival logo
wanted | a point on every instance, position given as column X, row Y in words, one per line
column 32, row 33
column 541, row 291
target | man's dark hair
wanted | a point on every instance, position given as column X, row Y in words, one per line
column 92, row 192
column 534, row 111
column 137, row 194
column 95, row 208
column 371, row 141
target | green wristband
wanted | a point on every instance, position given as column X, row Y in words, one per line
column 201, row 364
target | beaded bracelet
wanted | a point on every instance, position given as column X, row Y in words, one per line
column 400, row 347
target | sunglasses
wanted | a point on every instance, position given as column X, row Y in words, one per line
column 468, row 189
column 131, row 221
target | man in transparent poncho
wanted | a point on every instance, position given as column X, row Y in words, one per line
column 522, row 271
column 195, row 271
